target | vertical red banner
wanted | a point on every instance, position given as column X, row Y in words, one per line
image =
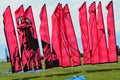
column 11, row 40
column 66, row 62
column 101, row 36
column 50, row 58
column 32, row 39
column 63, row 43
column 83, row 20
column 71, row 37
column 30, row 52
column 22, row 33
column 19, row 13
column 111, row 33
column 56, row 39
column 93, row 34
column 20, row 21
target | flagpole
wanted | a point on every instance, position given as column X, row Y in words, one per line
column 52, row 60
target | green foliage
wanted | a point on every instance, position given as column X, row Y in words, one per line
column 108, row 71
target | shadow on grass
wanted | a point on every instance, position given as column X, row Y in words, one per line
column 102, row 70
column 116, row 69
column 27, row 78
column 63, row 74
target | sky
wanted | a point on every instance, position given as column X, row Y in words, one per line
column 51, row 5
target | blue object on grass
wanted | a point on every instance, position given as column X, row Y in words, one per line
column 5, row 72
column 35, row 70
column 32, row 71
column 20, row 72
column 77, row 78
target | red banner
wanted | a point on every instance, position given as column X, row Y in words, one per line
column 22, row 33
column 56, row 39
column 111, row 33
column 32, row 39
column 93, row 34
column 101, row 36
column 19, row 13
column 71, row 37
column 50, row 58
column 83, row 20
column 64, row 41
column 11, row 40
column 30, row 52
column 65, row 56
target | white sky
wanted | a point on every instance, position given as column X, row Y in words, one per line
column 51, row 5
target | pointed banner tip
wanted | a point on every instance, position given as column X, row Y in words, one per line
column 58, row 4
column 99, row 5
column 19, row 9
column 28, row 8
column 100, row 2
column 8, row 6
column 84, row 4
column 44, row 5
column 66, row 5
column 6, row 10
column 21, row 5
column 92, row 7
column 110, row 3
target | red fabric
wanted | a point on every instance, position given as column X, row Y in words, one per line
column 11, row 40
column 93, row 34
column 84, row 33
column 44, row 31
column 71, row 37
column 61, row 35
column 33, row 42
column 56, row 34
column 50, row 59
column 101, row 36
column 29, row 14
column 64, row 41
column 19, row 13
column 111, row 33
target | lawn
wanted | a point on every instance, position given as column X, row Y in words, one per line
column 108, row 71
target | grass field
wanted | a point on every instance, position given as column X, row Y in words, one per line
column 108, row 71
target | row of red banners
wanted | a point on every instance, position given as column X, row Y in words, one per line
column 94, row 43
column 63, row 49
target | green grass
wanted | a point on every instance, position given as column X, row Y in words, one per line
column 108, row 71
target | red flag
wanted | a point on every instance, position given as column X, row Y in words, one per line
column 11, row 40
column 19, row 13
column 31, row 35
column 29, row 15
column 93, row 34
column 73, row 46
column 50, row 58
column 111, row 33
column 83, row 20
column 56, row 39
column 61, row 35
column 21, row 28
column 64, row 41
column 101, row 36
